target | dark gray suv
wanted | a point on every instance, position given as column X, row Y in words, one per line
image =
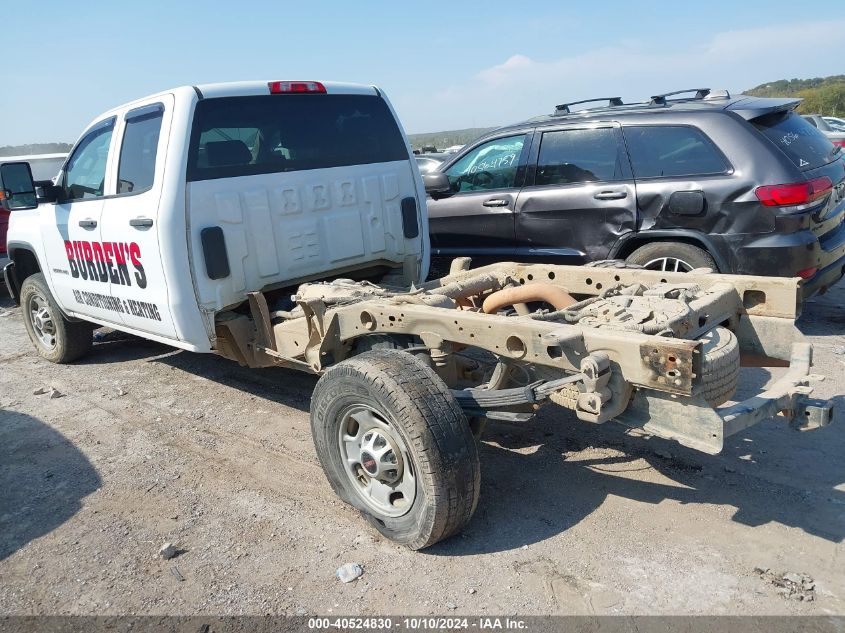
column 738, row 184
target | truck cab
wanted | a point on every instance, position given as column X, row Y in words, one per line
column 170, row 209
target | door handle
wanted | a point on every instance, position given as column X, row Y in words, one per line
column 611, row 195
column 141, row 223
column 88, row 223
column 495, row 202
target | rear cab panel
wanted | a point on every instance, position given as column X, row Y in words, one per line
column 298, row 186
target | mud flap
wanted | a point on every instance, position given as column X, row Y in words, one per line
column 689, row 421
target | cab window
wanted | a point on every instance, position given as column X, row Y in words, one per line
column 136, row 170
column 491, row 165
column 245, row 136
column 85, row 174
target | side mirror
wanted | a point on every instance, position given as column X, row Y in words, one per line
column 18, row 187
column 46, row 191
column 437, row 185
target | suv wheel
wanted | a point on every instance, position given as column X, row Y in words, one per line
column 673, row 257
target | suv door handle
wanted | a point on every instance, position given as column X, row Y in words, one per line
column 495, row 202
column 141, row 223
column 611, row 195
column 88, row 223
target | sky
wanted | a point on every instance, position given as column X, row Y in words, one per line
column 444, row 65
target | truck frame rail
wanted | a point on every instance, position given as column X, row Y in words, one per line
column 603, row 342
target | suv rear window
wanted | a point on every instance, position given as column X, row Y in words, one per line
column 805, row 145
column 672, row 150
column 243, row 136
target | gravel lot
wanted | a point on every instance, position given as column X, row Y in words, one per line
column 150, row 445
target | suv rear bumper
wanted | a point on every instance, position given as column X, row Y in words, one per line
column 785, row 254
column 826, row 277
column 831, row 263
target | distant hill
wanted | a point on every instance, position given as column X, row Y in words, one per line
column 35, row 148
column 822, row 95
column 442, row 140
column 791, row 87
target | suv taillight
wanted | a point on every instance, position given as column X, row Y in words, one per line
column 841, row 142
column 794, row 194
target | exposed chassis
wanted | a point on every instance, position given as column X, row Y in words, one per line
column 607, row 369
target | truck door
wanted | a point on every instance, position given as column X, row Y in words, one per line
column 578, row 197
column 130, row 226
column 77, row 265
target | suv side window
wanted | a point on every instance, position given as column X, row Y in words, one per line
column 491, row 165
column 571, row 156
column 85, row 173
column 672, row 150
column 136, row 169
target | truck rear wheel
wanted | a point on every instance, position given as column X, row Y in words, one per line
column 394, row 443
column 56, row 339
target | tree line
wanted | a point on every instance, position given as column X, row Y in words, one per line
column 821, row 95
column 34, row 148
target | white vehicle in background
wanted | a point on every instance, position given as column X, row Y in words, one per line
column 834, row 133
column 428, row 163
column 44, row 167
column 836, row 123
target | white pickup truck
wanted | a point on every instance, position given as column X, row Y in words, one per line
column 284, row 223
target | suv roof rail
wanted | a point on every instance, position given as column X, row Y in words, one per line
column 563, row 108
column 700, row 93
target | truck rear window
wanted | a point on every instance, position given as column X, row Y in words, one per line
column 805, row 145
column 244, row 136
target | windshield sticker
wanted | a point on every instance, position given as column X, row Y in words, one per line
column 491, row 164
column 789, row 138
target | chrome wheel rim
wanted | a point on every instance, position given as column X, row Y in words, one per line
column 42, row 320
column 376, row 461
column 669, row 265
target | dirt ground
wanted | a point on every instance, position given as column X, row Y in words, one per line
column 150, row 445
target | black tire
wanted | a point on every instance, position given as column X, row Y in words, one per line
column 692, row 256
column 424, row 416
column 719, row 365
column 71, row 339
column 611, row 263
column 384, row 341
column 438, row 267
